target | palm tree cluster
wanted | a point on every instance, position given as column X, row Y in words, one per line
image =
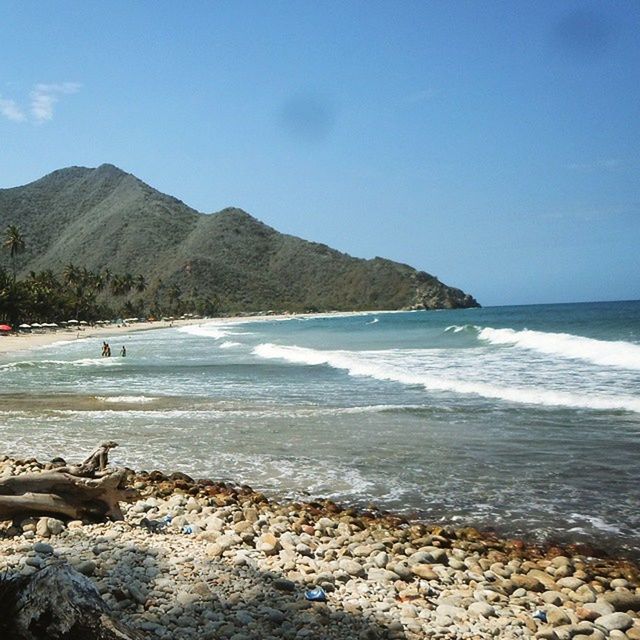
column 87, row 295
column 76, row 293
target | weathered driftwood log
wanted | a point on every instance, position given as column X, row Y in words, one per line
column 95, row 464
column 68, row 491
column 59, row 602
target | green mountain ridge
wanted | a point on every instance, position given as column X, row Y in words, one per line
column 107, row 218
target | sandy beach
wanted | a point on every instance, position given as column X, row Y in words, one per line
column 12, row 342
column 24, row 341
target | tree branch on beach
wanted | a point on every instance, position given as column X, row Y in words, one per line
column 85, row 491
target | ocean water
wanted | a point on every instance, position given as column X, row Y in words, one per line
column 525, row 420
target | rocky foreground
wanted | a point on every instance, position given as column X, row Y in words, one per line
column 198, row 559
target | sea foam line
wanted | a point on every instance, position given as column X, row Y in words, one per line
column 601, row 352
column 356, row 364
column 126, row 399
column 83, row 362
column 207, row 331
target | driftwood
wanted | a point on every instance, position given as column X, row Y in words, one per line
column 58, row 602
column 85, row 491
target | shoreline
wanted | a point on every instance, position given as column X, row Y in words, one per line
column 203, row 558
column 12, row 343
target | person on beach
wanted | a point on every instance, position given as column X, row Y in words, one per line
column 108, row 352
column 123, row 352
column 104, row 349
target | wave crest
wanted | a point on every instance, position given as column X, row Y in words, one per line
column 371, row 365
column 601, row 352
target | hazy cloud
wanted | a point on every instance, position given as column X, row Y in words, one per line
column 10, row 110
column 45, row 96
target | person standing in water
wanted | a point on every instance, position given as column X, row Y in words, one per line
column 123, row 352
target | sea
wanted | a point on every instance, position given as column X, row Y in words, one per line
column 523, row 420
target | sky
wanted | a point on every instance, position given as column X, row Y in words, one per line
column 495, row 145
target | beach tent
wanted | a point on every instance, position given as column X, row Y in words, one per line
column 5, row 327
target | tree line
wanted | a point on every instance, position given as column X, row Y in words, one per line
column 81, row 294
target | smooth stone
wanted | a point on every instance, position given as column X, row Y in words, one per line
column 43, row 547
column 86, row 567
column 623, row 600
column 351, row 567
column 553, row 597
column 451, row 611
column 481, row 609
column 382, row 575
column 600, row 608
column 557, row 616
column 424, row 571
column 611, row 621
column 527, row 582
column 244, row 617
column 570, row 583
column 282, row 584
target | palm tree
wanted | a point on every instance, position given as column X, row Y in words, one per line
column 141, row 283
column 71, row 273
column 14, row 241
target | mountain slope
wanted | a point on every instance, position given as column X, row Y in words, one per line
column 105, row 218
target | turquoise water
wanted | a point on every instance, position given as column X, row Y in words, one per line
column 521, row 419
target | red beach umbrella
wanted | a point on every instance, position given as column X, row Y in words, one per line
column 5, row 327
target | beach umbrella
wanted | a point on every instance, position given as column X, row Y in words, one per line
column 72, row 322
column 5, row 327
column 25, row 326
column 83, row 322
column 36, row 325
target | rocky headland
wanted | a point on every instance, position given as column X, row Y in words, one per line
column 203, row 559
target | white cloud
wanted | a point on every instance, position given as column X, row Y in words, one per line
column 45, row 96
column 9, row 109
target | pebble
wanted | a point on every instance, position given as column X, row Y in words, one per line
column 243, row 572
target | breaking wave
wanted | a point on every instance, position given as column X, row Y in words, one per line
column 372, row 366
column 601, row 352
column 206, row 331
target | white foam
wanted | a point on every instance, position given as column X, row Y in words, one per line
column 229, row 344
column 83, row 362
column 126, row 399
column 600, row 352
column 206, row 331
column 596, row 522
column 374, row 321
column 456, row 328
column 374, row 366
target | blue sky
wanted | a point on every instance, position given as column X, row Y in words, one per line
column 493, row 144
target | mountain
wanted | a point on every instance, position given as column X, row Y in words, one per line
column 106, row 218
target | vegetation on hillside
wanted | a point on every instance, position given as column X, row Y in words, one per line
column 107, row 220
column 80, row 294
